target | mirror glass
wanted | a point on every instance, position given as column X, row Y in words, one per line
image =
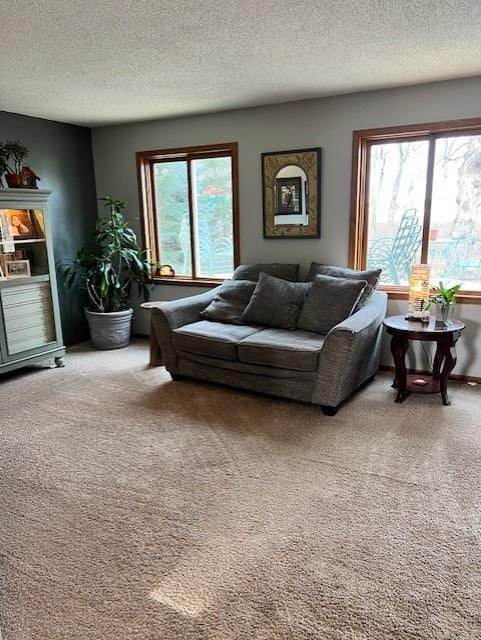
column 290, row 194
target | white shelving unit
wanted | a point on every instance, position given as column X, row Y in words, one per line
column 30, row 329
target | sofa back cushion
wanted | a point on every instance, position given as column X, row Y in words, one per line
column 330, row 301
column 278, row 270
column 230, row 302
column 371, row 276
column 276, row 302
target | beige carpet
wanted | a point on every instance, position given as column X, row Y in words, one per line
column 135, row 508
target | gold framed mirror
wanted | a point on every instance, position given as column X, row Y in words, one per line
column 292, row 193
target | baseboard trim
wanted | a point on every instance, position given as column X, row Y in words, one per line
column 456, row 377
column 142, row 336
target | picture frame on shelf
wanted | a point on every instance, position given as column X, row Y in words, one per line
column 17, row 269
column 6, row 243
column 38, row 223
column 17, row 224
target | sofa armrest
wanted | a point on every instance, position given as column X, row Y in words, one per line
column 351, row 352
column 372, row 314
column 171, row 315
column 178, row 313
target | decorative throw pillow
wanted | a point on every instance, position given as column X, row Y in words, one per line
column 230, row 302
column 278, row 270
column 330, row 301
column 276, row 302
column 371, row 276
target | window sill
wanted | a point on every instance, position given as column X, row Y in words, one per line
column 401, row 293
column 179, row 281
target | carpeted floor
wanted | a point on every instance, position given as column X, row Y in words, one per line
column 135, row 508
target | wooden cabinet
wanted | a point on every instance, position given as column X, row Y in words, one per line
column 30, row 329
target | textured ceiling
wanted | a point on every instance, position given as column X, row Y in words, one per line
column 94, row 63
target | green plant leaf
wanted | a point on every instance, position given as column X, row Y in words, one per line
column 445, row 295
column 112, row 262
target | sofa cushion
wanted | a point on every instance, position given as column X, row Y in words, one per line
column 275, row 302
column 297, row 350
column 253, row 271
column 213, row 339
column 230, row 302
column 329, row 302
column 370, row 275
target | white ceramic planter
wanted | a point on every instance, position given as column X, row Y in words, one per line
column 110, row 330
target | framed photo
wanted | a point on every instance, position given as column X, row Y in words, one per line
column 18, row 224
column 38, row 219
column 17, row 269
column 291, row 184
column 288, row 196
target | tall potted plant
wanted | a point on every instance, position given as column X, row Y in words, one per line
column 108, row 270
column 12, row 156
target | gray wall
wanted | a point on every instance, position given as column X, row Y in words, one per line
column 327, row 123
column 61, row 155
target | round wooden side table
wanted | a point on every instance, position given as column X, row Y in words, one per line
column 445, row 336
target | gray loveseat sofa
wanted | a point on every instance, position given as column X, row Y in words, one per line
column 296, row 364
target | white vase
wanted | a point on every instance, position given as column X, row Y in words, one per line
column 443, row 312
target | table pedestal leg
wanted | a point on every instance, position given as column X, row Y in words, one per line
column 399, row 347
column 446, row 351
column 438, row 361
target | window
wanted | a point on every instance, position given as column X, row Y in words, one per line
column 190, row 211
column 416, row 197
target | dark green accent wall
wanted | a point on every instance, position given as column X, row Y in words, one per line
column 61, row 154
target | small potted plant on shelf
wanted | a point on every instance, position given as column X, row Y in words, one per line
column 12, row 156
column 108, row 270
column 445, row 299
